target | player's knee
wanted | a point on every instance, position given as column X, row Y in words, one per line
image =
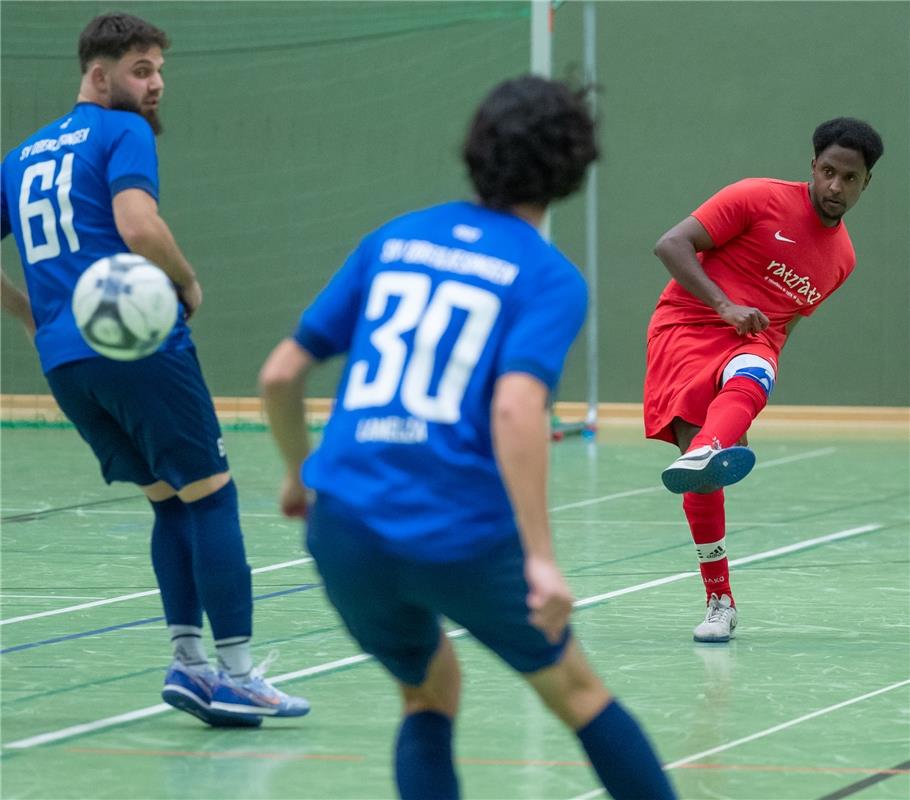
column 203, row 488
column 571, row 689
column 439, row 697
column 441, row 687
column 751, row 367
column 159, row 491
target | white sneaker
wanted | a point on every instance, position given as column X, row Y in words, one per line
column 720, row 621
column 707, row 468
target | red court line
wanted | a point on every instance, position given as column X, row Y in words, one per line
column 113, row 751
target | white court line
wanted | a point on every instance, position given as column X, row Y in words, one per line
column 86, row 512
column 777, row 551
column 4, row 595
column 148, row 593
column 592, row 501
column 107, row 722
column 761, row 734
column 740, row 523
column 605, row 498
column 825, row 451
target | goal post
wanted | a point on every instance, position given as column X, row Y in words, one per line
column 542, row 23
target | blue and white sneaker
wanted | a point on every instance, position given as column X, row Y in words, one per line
column 254, row 696
column 708, row 468
column 190, row 689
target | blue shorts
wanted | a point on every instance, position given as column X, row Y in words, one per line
column 147, row 420
column 392, row 605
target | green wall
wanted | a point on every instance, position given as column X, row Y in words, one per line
column 294, row 128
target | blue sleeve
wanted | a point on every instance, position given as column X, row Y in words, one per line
column 132, row 157
column 544, row 324
column 327, row 326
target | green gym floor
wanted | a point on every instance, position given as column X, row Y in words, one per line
column 809, row 702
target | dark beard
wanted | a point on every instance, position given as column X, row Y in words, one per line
column 120, row 101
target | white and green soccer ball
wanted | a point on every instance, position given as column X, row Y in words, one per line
column 124, row 306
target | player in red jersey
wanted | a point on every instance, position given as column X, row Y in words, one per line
column 745, row 266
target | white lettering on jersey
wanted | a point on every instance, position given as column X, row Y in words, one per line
column 467, row 233
column 410, row 369
column 449, row 259
column 799, row 284
column 52, row 145
column 398, row 430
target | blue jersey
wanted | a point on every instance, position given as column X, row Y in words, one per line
column 432, row 308
column 57, row 191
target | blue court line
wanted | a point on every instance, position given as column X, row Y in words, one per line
column 29, row 645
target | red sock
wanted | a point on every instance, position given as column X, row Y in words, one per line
column 731, row 412
column 705, row 513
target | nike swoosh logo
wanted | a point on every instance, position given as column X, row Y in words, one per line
column 701, row 457
column 781, row 238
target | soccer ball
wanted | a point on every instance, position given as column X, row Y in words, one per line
column 124, row 306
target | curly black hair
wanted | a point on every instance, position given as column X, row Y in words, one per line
column 112, row 35
column 851, row 133
column 530, row 141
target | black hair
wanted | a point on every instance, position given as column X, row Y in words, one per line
column 851, row 133
column 530, row 141
column 112, row 35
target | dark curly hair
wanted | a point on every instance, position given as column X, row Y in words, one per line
column 530, row 141
column 851, row 133
column 112, row 35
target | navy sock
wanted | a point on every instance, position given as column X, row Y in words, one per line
column 423, row 758
column 219, row 563
column 172, row 560
column 623, row 758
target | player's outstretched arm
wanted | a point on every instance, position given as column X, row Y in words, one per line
column 521, row 440
column 146, row 233
column 677, row 249
column 281, row 386
column 16, row 302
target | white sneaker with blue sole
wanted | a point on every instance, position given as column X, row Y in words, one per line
column 253, row 696
column 720, row 620
column 708, row 468
column 190, row 689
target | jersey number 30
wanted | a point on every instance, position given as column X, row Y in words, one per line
column 429, row 318
column 43, row 208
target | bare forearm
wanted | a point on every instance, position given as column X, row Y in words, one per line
column 521, row 443
column 678, row 256
column 14, row 300
column 155, row 241
column 146, row 233
column 283, row 406
column 281, row 386
column 677, row 249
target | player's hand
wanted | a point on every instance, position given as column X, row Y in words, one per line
column 549, row 597
column 294, row 497
column 745, row 319
column 191, row 297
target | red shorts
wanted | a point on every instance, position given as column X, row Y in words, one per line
column 684, row 369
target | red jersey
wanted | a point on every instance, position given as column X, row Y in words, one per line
column 771, row 252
